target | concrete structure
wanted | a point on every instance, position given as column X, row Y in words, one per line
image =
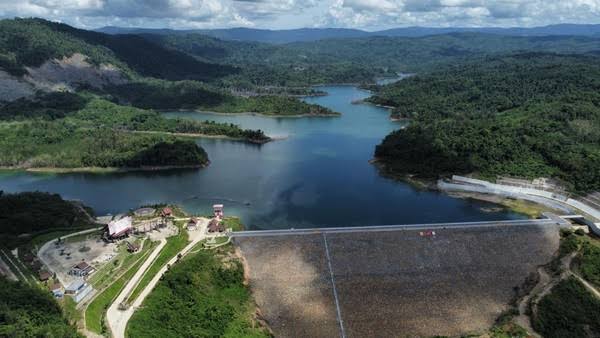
column 149, row 225
column 553, row 199
column 396, row 280
column 144, row 212
column 75, row 287
column 218, row 210
column 78, row 297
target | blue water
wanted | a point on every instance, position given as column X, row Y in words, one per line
column 318, row 175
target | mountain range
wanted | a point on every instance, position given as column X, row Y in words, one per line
column 314, row 34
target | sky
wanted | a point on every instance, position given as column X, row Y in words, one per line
column 288, row 14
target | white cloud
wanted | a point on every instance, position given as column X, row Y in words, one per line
column 370, row 14
column 462, row 12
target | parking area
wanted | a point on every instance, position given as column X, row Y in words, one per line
column 61, row 256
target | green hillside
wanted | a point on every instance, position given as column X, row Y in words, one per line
column 526, row 115
column 87, row 131
column 31, row 42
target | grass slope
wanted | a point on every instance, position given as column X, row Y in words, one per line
column 201, row 296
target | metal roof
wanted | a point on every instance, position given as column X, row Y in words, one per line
column 120, row 226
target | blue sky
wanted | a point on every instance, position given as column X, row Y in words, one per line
column 287, row 14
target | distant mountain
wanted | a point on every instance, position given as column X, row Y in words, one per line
column 250, row 34
column 314, row 34
column 561, row 29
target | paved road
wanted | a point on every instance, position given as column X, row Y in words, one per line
column 117, row 319
column 380, row 228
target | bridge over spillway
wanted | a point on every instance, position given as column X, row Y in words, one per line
column 551, row 220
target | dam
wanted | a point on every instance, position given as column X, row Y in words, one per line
column 415, row 280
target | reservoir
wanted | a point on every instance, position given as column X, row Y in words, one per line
column 317, row 175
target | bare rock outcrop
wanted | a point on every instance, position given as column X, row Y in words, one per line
column 12, row 88
column 68, row 73
column 71, row 72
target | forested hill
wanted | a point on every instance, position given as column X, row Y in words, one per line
column 361, row 59
column 419, row 54
column 526, row 115
column 31, row 42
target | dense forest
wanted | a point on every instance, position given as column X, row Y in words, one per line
column 201, row 296
column 269, row 105
column 27, row 311
column 161, row 94
column 526, row 115
column 357, row 60
column 32, row 212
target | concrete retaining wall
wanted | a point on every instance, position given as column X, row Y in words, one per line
column 539, row 196
column 485, row 190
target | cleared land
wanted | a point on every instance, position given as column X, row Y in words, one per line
column 393, row 283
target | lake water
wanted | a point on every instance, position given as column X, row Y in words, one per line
column 318, row 175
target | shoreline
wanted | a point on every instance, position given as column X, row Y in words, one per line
column 520, row 206
column 103, row 170
column 264, row 115
column 196, row 135
column 195, row 110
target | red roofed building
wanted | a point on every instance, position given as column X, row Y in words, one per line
column 166, row 212
column 216, row 225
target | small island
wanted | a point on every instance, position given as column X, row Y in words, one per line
column 275, row 106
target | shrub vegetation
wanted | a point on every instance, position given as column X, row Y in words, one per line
column 27, row 311
column 201, row 296
column 568, row 311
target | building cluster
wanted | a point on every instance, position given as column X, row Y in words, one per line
column 122, row 227
column 78, row 289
